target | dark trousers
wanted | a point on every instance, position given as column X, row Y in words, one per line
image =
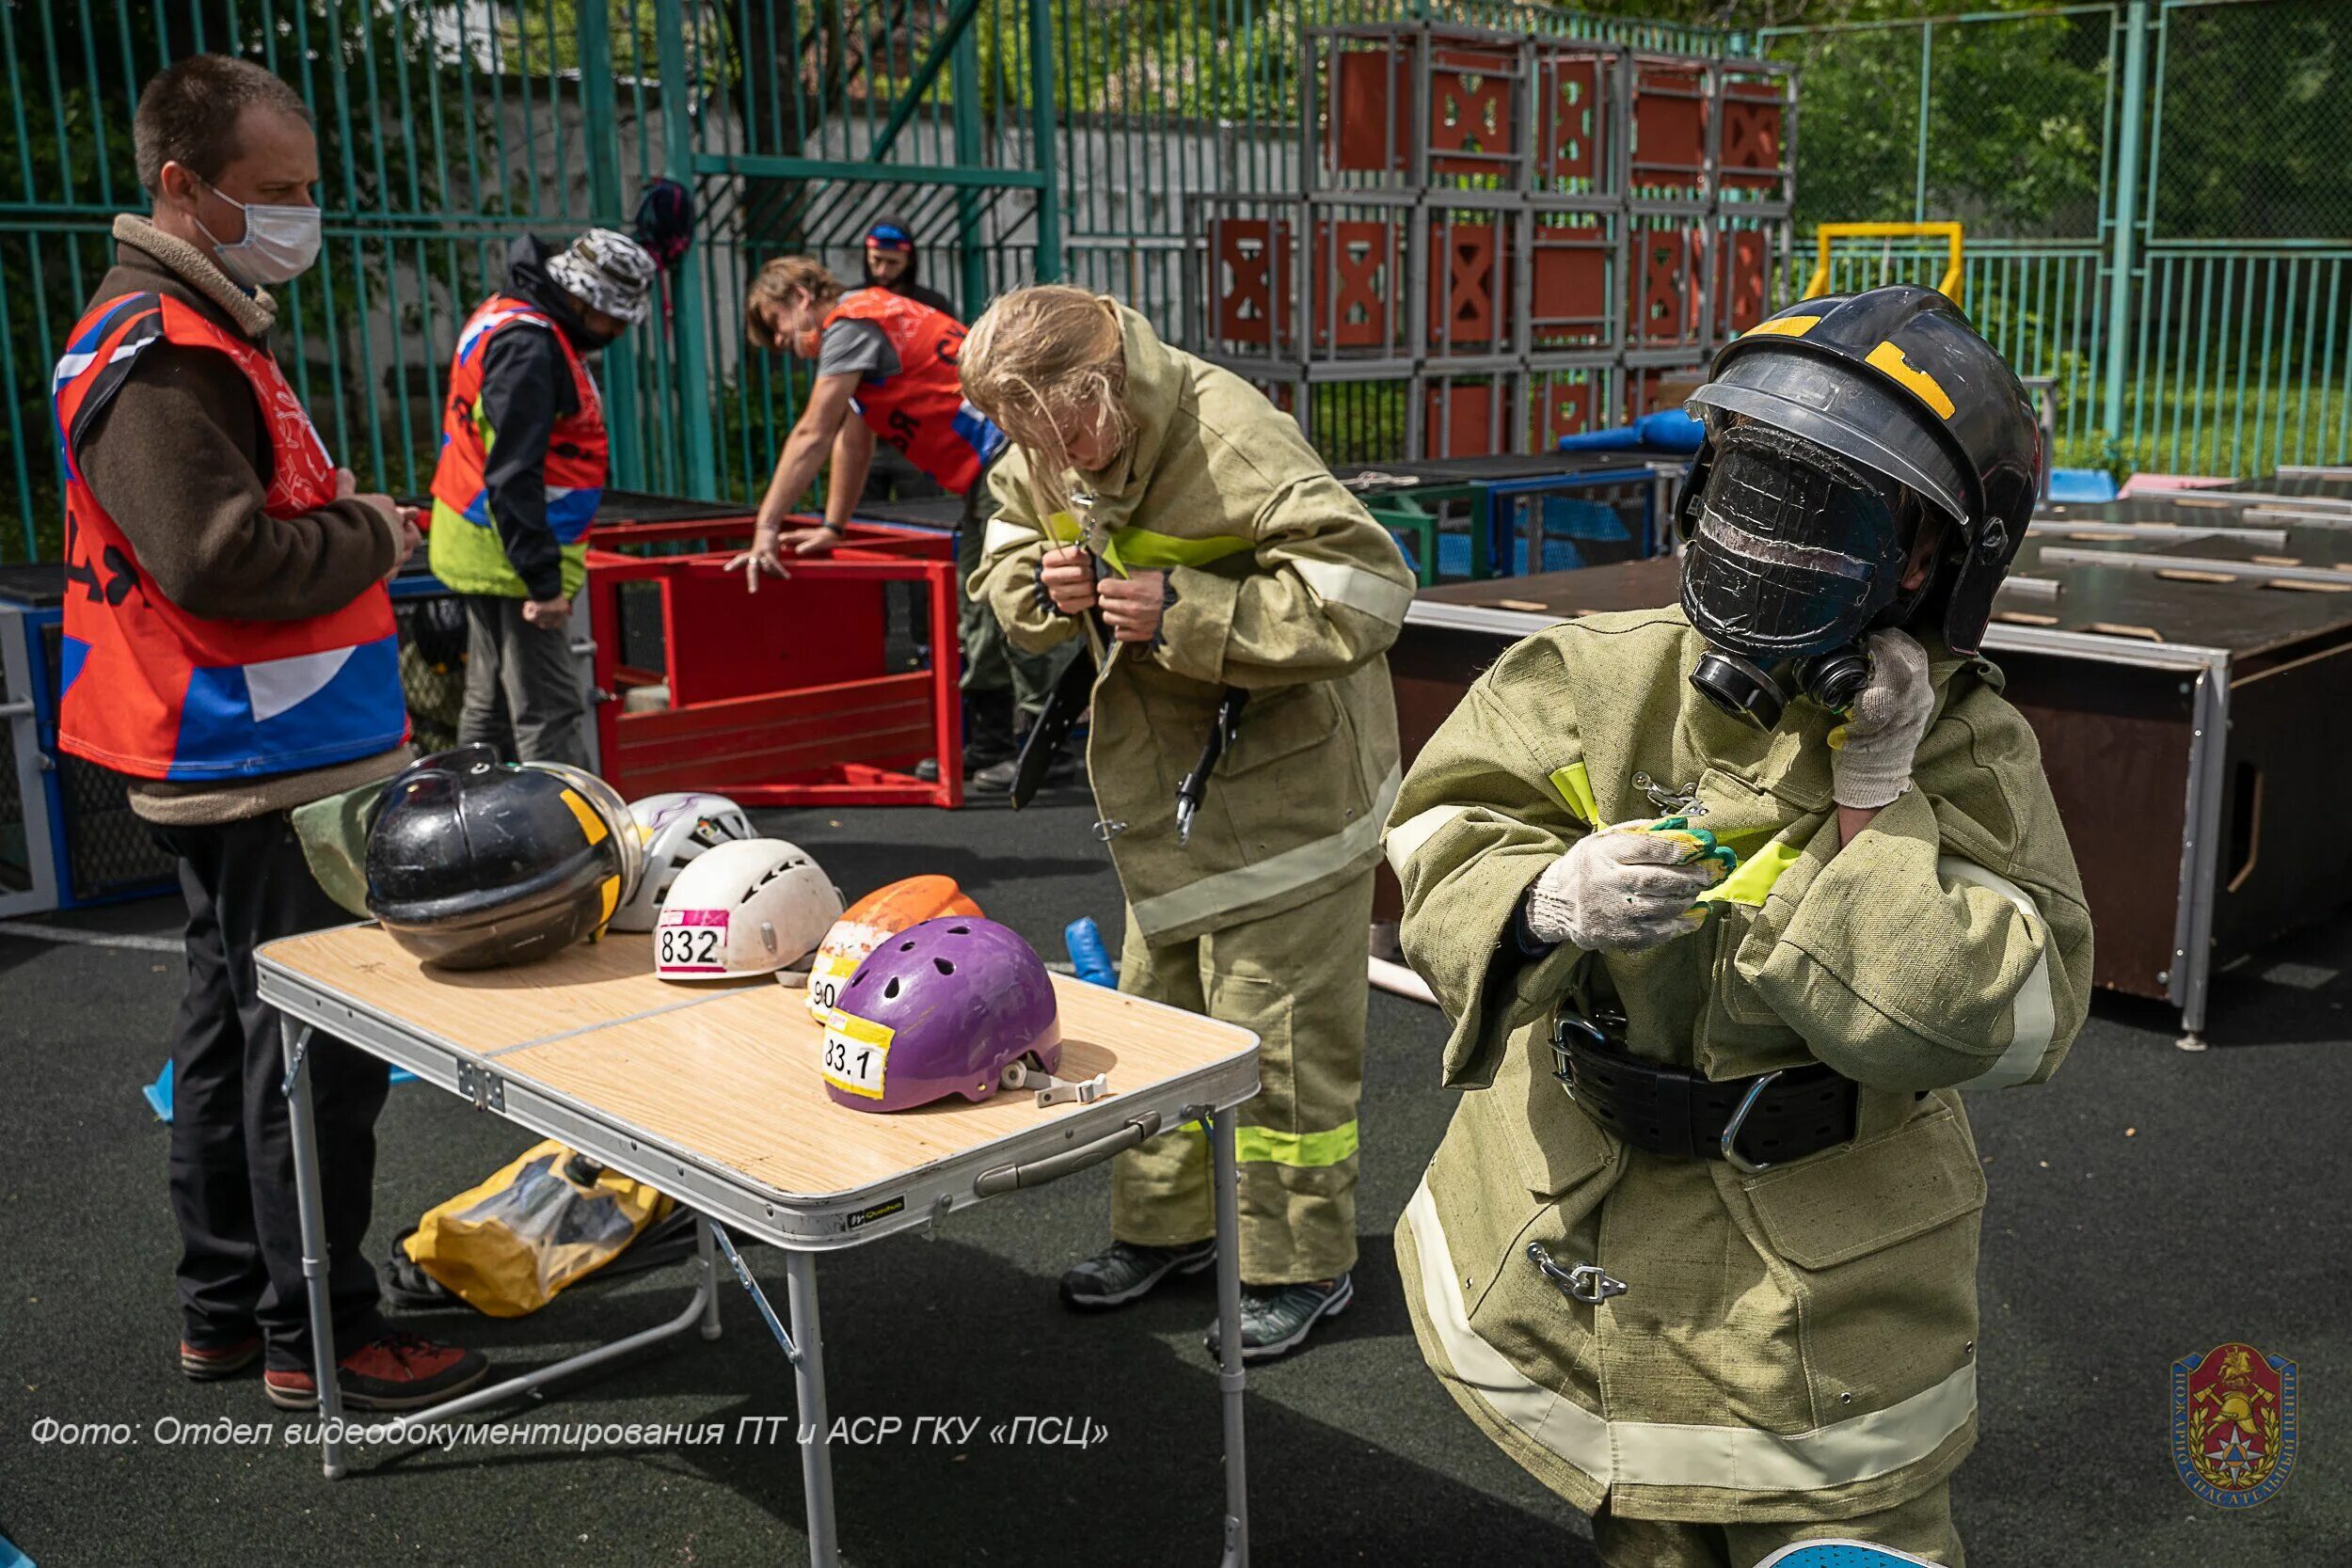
column 522, row 689
column 233, row 1187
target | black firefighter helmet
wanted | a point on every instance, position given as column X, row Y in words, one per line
column 475, row 863
column 1836, row 431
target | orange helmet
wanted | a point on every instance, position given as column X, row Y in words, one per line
column 883, row 912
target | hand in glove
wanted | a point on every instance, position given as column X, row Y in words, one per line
column 1871, row 752
column 1628, row 887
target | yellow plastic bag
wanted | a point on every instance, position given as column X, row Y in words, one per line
column 550, row 1217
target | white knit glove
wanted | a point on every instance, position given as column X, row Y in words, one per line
column 1871, row 752
column 1627, row 888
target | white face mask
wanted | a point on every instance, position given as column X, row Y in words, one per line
column 280, row 243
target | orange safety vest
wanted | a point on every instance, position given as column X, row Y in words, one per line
column 152, row 690
column 578, row 448
column 921, row 410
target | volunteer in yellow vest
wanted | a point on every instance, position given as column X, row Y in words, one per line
column 1727, row 903
column 229, row 652
column 1172, row 499
column 891, row 359
column 522, row 465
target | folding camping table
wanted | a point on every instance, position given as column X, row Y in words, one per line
column 712, row 1094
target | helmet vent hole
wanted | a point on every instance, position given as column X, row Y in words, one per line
column 890, row 992
column 943, row 966
column 960, row 930
column 906, row 947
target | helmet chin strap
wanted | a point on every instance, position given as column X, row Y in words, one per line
column 1020, row 1073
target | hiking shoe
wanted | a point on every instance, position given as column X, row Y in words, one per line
column 396, row 1371
column 206, row 1365
column 1275, row 1318
column 1064, row 766
column 1122, row 1271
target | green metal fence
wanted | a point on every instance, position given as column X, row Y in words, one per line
column 2157, row 203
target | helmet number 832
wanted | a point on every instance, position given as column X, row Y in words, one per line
column 683, row 945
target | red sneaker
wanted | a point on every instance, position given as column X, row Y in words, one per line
column 397, row 1370
column 206, row 1365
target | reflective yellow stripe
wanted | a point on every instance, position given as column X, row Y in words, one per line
column 1404, row 840
column 1783, row 327
column 1672, row 1453
column 1246, row 885
column 1306, row 1150
column 2033, row 1011
column 1576, row 787
column 1141, row 547
column 1128, row 548
column 1889, row 359
column 1753, row 883
column 611, row 892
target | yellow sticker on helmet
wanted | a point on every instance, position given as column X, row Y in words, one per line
column 591, row 825
column 857, row 1053
column 1889, row 359
column 611, row 892
column 1783, row 327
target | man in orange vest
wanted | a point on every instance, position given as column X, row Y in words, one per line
column 892, row 360
column 522, row 465
column 229, row 649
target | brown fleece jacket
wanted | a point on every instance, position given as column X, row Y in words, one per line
column 180, row 459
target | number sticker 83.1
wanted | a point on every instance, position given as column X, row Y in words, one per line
column 857, row 1054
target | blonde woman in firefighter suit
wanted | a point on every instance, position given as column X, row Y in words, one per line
column 1162, row 509
column 1727, row 904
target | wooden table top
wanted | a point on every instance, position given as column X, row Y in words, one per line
column 729, row 1071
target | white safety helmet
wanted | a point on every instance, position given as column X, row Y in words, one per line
column 747, row 908
column 674, row 830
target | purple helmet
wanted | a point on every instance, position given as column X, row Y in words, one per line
column 941, row 1008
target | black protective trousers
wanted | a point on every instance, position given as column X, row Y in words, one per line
column 233, row 1187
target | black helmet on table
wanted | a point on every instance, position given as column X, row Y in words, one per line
column 475, row 863
column 1838, row 430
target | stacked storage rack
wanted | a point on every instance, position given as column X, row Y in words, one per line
column 1525, row 236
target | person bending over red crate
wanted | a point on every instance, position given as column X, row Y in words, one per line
column 893, row 360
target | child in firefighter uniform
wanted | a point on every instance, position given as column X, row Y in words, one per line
column 1726, row 904
column 1170, row 499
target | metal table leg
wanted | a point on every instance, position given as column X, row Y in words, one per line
column 706, row 1264
column 1229, row 1379
column 308, row 1203
column 808, row 1387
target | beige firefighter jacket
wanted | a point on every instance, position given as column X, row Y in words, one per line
column 1798, row 1344
column 1283, row 586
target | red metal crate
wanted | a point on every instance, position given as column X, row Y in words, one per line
column 783, row 697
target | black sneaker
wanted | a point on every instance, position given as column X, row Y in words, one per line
column 1122, row 1271
column 1275, row 1318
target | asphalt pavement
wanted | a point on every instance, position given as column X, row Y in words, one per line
column 2148, row 1204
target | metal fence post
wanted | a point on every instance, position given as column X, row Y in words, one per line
column 963, row 84
column 700, row 468
column 594, row 22
column 2126, row 196
column 1044, row 130
column 1927, row 82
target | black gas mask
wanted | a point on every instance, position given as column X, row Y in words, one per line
column 1791, row 554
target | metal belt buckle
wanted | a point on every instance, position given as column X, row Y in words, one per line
column 1586, row 1282
column 1729, row 1143
column 1563, row 1021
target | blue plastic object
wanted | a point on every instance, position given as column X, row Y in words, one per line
column 1086, row 957
column 1839, row 1554
column 158, row 1096
column 11, row 1557
column 2081, row 485
column 1669, row 429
